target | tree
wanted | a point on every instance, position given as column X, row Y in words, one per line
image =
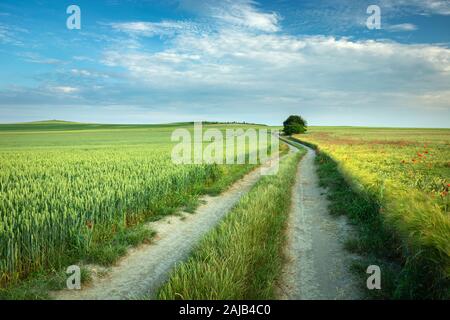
column 294, row 124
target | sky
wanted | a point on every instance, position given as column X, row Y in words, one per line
column 160, row 61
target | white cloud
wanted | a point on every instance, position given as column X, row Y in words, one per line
column 83, row 58
column 401, row 27
column 238, row 13
column 435, row 99
column 9, row 35
column 441, row 7
column 88, row 74
column 37, row 58
column 64, row 89
column 244, row 13
column 81, row 72
column 150, row 29
column 240, row 55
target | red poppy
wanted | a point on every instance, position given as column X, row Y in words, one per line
column 426, row 152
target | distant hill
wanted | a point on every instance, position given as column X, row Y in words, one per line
column 234, row 122
column 187, row 123
column 62, row 125
column 50, row 122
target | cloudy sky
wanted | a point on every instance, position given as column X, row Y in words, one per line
column 160, row 61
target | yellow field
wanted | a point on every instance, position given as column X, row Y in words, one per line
column 407, row 173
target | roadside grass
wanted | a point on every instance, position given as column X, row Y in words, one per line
column 230, row 174
column 398, row 231
column 108, row 252
column 104, row 252
column 39, row 284
column 242, row 256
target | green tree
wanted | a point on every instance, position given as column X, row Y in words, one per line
column 294, row 124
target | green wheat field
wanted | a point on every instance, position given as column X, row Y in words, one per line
column 73, row 192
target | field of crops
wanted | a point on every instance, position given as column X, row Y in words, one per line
column 73, row 191
column 406, row 172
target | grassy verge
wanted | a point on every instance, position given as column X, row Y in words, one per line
column 242, row 256
column 233, row 173
column 409, row 270
column 38, row 284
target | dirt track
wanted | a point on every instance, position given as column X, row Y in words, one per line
column 318, row 264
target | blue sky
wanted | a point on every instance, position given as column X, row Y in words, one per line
column 257, row 61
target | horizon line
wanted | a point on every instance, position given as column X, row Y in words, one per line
column 213, row 122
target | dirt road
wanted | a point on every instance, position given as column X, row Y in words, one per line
column 318, row 264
